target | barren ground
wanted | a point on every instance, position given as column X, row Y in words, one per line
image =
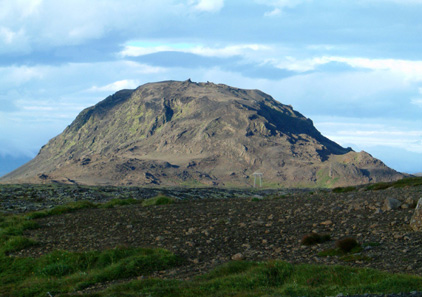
column 209, row 232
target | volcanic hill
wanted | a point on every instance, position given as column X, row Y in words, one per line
column 176, row 133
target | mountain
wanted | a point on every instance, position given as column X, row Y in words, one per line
column 196, row 134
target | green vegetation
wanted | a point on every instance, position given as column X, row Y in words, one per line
column 192, row 183
column 159, row 200
column 61, row 209
column 405, row 182
column 62, row 272
column 74, row 206
column 273, row 278
column 324, row 180
column 344, row 189
column 348, row 250
column 378, row 186
column 11, row 231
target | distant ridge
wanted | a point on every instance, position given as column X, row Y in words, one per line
column 181, row 133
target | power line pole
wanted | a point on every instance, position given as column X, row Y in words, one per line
column 259, row 175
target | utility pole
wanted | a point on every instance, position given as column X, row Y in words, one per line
column 259, row 175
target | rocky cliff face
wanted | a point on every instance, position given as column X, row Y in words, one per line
column 194, row 134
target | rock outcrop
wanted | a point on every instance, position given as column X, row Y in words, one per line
column 416, row 221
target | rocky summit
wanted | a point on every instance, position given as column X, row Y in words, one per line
column 197, row 134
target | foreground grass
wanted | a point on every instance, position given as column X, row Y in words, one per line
column 274, row 278
column 62, row 272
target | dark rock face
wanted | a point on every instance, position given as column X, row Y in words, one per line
column 197, row 134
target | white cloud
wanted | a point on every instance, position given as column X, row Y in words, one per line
column 136, row 51
column 407, row 69
column 411, row 70
column 19, row 8
column 417, row 102
column 279, row 5
column 274, row 12
column 368, row 132
column 402, row 2
column 7, row 36
column 15, row 41
column 227, row 51
column 15, row 76
column 116, row 86
column 38, row 108
column 49, row 23
column 208, row 5
column 329, row 92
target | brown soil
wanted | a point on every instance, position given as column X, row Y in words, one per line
column 209, row 232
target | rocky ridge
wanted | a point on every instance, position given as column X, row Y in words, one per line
column 196, row 134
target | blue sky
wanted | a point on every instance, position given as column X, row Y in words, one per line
column 353, row 67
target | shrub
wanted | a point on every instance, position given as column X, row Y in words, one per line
column 158, row 200
column 347, row 244
column 17, row 243
column 57, row 269
column 71, row 207
column 314, row 238
column 344, row 189
column 277, row 272
column 61, row 209
column 378, row 186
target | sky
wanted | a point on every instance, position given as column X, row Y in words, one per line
column 353, row 67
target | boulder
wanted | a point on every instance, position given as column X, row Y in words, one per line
column 238, row 257
column 416, row 220
column 391, row 203
column 411, row 202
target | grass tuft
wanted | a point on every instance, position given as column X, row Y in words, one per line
column 17, row 243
